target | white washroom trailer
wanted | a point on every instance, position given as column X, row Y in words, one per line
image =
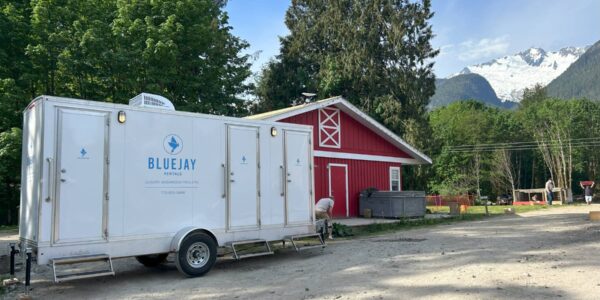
column 103, row 181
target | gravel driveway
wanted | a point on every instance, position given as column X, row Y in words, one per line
column 542, row 254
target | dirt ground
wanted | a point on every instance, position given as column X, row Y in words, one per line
column 542, row 254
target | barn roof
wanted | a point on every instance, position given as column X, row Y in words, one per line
column 355, row 113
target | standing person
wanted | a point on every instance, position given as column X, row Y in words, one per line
column 549, row 188
column 588, row 192
column 323, row 210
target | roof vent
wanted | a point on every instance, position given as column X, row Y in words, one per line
column 152, row 101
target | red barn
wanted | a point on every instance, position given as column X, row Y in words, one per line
column 352, row 151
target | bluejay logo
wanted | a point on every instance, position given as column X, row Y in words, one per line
column 82, row 154
column 173, row 144
column 172, row 166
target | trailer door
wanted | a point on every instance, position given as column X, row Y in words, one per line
column 243, row 166
column 81, row 166
column 298, row 177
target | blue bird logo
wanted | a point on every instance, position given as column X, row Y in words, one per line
column 83, row 152
column 173, row 144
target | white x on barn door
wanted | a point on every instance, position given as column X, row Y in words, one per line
column 329, row 127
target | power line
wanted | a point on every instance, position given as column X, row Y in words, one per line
column 533, row 143
column 548, row 145
column 526, row 147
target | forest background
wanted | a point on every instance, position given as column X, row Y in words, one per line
column 376, row 54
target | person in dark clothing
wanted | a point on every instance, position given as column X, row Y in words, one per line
column 588, row 192
column 549, row 188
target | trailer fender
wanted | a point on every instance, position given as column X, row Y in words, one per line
column 178, row 238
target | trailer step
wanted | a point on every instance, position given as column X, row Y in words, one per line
column 80, row 271
column 67, row 277
column 237, row 248
column 79, row 259
column 295, row 239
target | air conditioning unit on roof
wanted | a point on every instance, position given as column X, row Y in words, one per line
column 152, row 101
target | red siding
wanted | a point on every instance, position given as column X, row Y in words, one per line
column 361, row 175
column 355, row 138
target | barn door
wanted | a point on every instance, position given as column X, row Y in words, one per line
column 338, row 187
column 242, row 166
column 297, row 177
column 81, row 181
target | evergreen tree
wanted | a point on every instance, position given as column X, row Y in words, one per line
column 376, row 54
column 111, row 50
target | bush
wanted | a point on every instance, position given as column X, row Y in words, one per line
column 340, row 230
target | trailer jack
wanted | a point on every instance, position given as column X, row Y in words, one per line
column 28, row 269
column 13, row 252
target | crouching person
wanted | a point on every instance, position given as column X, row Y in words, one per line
column 323, row 211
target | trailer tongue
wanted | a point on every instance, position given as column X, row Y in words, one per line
column 102, row 181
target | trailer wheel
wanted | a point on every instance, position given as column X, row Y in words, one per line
column 197, row 254
column 152, row 260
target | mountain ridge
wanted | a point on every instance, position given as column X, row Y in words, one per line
column 581, row 79
column 510, row 75
column 465, row 87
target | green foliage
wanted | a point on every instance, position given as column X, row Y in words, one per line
column 463, row 122
column 556, row 130
column 341, row 230
column 581, row 79
column 10, row 178
column 376, row 54
column 111, row 50
column 554, row 121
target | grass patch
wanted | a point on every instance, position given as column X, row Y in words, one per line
column 403, row 224
column 493, row 210
column 9, row 227
column 473, row 213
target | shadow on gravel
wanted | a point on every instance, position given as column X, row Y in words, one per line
column 382, row 261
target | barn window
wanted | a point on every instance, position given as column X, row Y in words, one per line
column 394, row 178
column 329, row 127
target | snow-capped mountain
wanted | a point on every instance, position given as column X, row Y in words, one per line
column 510, row 75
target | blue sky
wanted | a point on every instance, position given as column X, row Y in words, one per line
column 467, row 31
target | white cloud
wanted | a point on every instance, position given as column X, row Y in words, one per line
column 485, row 48
column 445, row 49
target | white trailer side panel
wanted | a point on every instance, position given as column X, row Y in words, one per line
column 31, row 171
column 161, row 168
column 49, row 124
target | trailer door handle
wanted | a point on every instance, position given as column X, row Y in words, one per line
column 282, row 181
column 224, row 181
column 50, row 178
column 63, row 180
